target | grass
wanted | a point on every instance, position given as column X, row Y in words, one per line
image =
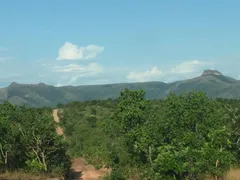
column 18, row 175
column 233, row 174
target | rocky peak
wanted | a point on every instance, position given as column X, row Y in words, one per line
column 211, row 72
column 41, row 84
column 13, row 84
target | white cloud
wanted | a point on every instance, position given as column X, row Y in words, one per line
column 12, row 75
column 145, row 76
column 2, row 59
column 71, row 51
column 76, row 79
column 80, row 69
column 183, row 70
column 3, row 49
column 187, row 67
column 59, row 85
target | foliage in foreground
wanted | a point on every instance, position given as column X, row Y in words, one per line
column 182, row 137
column 28, row 141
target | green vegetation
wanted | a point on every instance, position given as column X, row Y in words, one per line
column 28, row 141
column 182, row 137
column 188, row 136
column 83, row 123
column 39, row 95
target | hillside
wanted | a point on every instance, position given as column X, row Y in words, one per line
column 213, row 83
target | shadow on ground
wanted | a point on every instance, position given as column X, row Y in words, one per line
column 75, row 175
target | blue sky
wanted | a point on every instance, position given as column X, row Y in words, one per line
column 73, row 42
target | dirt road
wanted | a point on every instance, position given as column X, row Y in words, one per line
column 79, row 165
column 56, row 119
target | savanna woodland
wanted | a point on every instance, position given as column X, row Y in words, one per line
column 187, row 136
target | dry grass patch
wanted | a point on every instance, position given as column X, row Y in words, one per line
column 233, row 174
column 26, row 176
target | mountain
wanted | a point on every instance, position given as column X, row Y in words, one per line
column 212, row 82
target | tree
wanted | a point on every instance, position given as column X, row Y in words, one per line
column 130, row 109
column 7, row 141
column 124, row 128
column 195, row 138
column 28, row 140
column 44, row 146
column 232, row 111
column 10, row 149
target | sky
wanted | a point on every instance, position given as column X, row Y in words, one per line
column 77, row 42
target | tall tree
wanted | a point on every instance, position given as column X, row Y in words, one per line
column 196, row 138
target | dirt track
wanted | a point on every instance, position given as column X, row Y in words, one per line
column 79, row 165
column 56, row 119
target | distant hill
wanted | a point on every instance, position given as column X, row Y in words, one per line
column 212, row 82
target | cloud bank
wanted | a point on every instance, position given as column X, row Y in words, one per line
column 71, row 51
column 185, row 69
column 77, row 68
column 2, row 59
column 3, row 49
column 145, row 76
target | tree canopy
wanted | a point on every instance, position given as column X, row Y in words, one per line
column 28, row 141
column 188, row 136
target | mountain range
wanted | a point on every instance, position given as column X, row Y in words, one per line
column 212, row 82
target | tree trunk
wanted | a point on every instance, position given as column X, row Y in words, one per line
column 150, row 154
column 36, row 153
column 44, row 161
column 4, row 156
